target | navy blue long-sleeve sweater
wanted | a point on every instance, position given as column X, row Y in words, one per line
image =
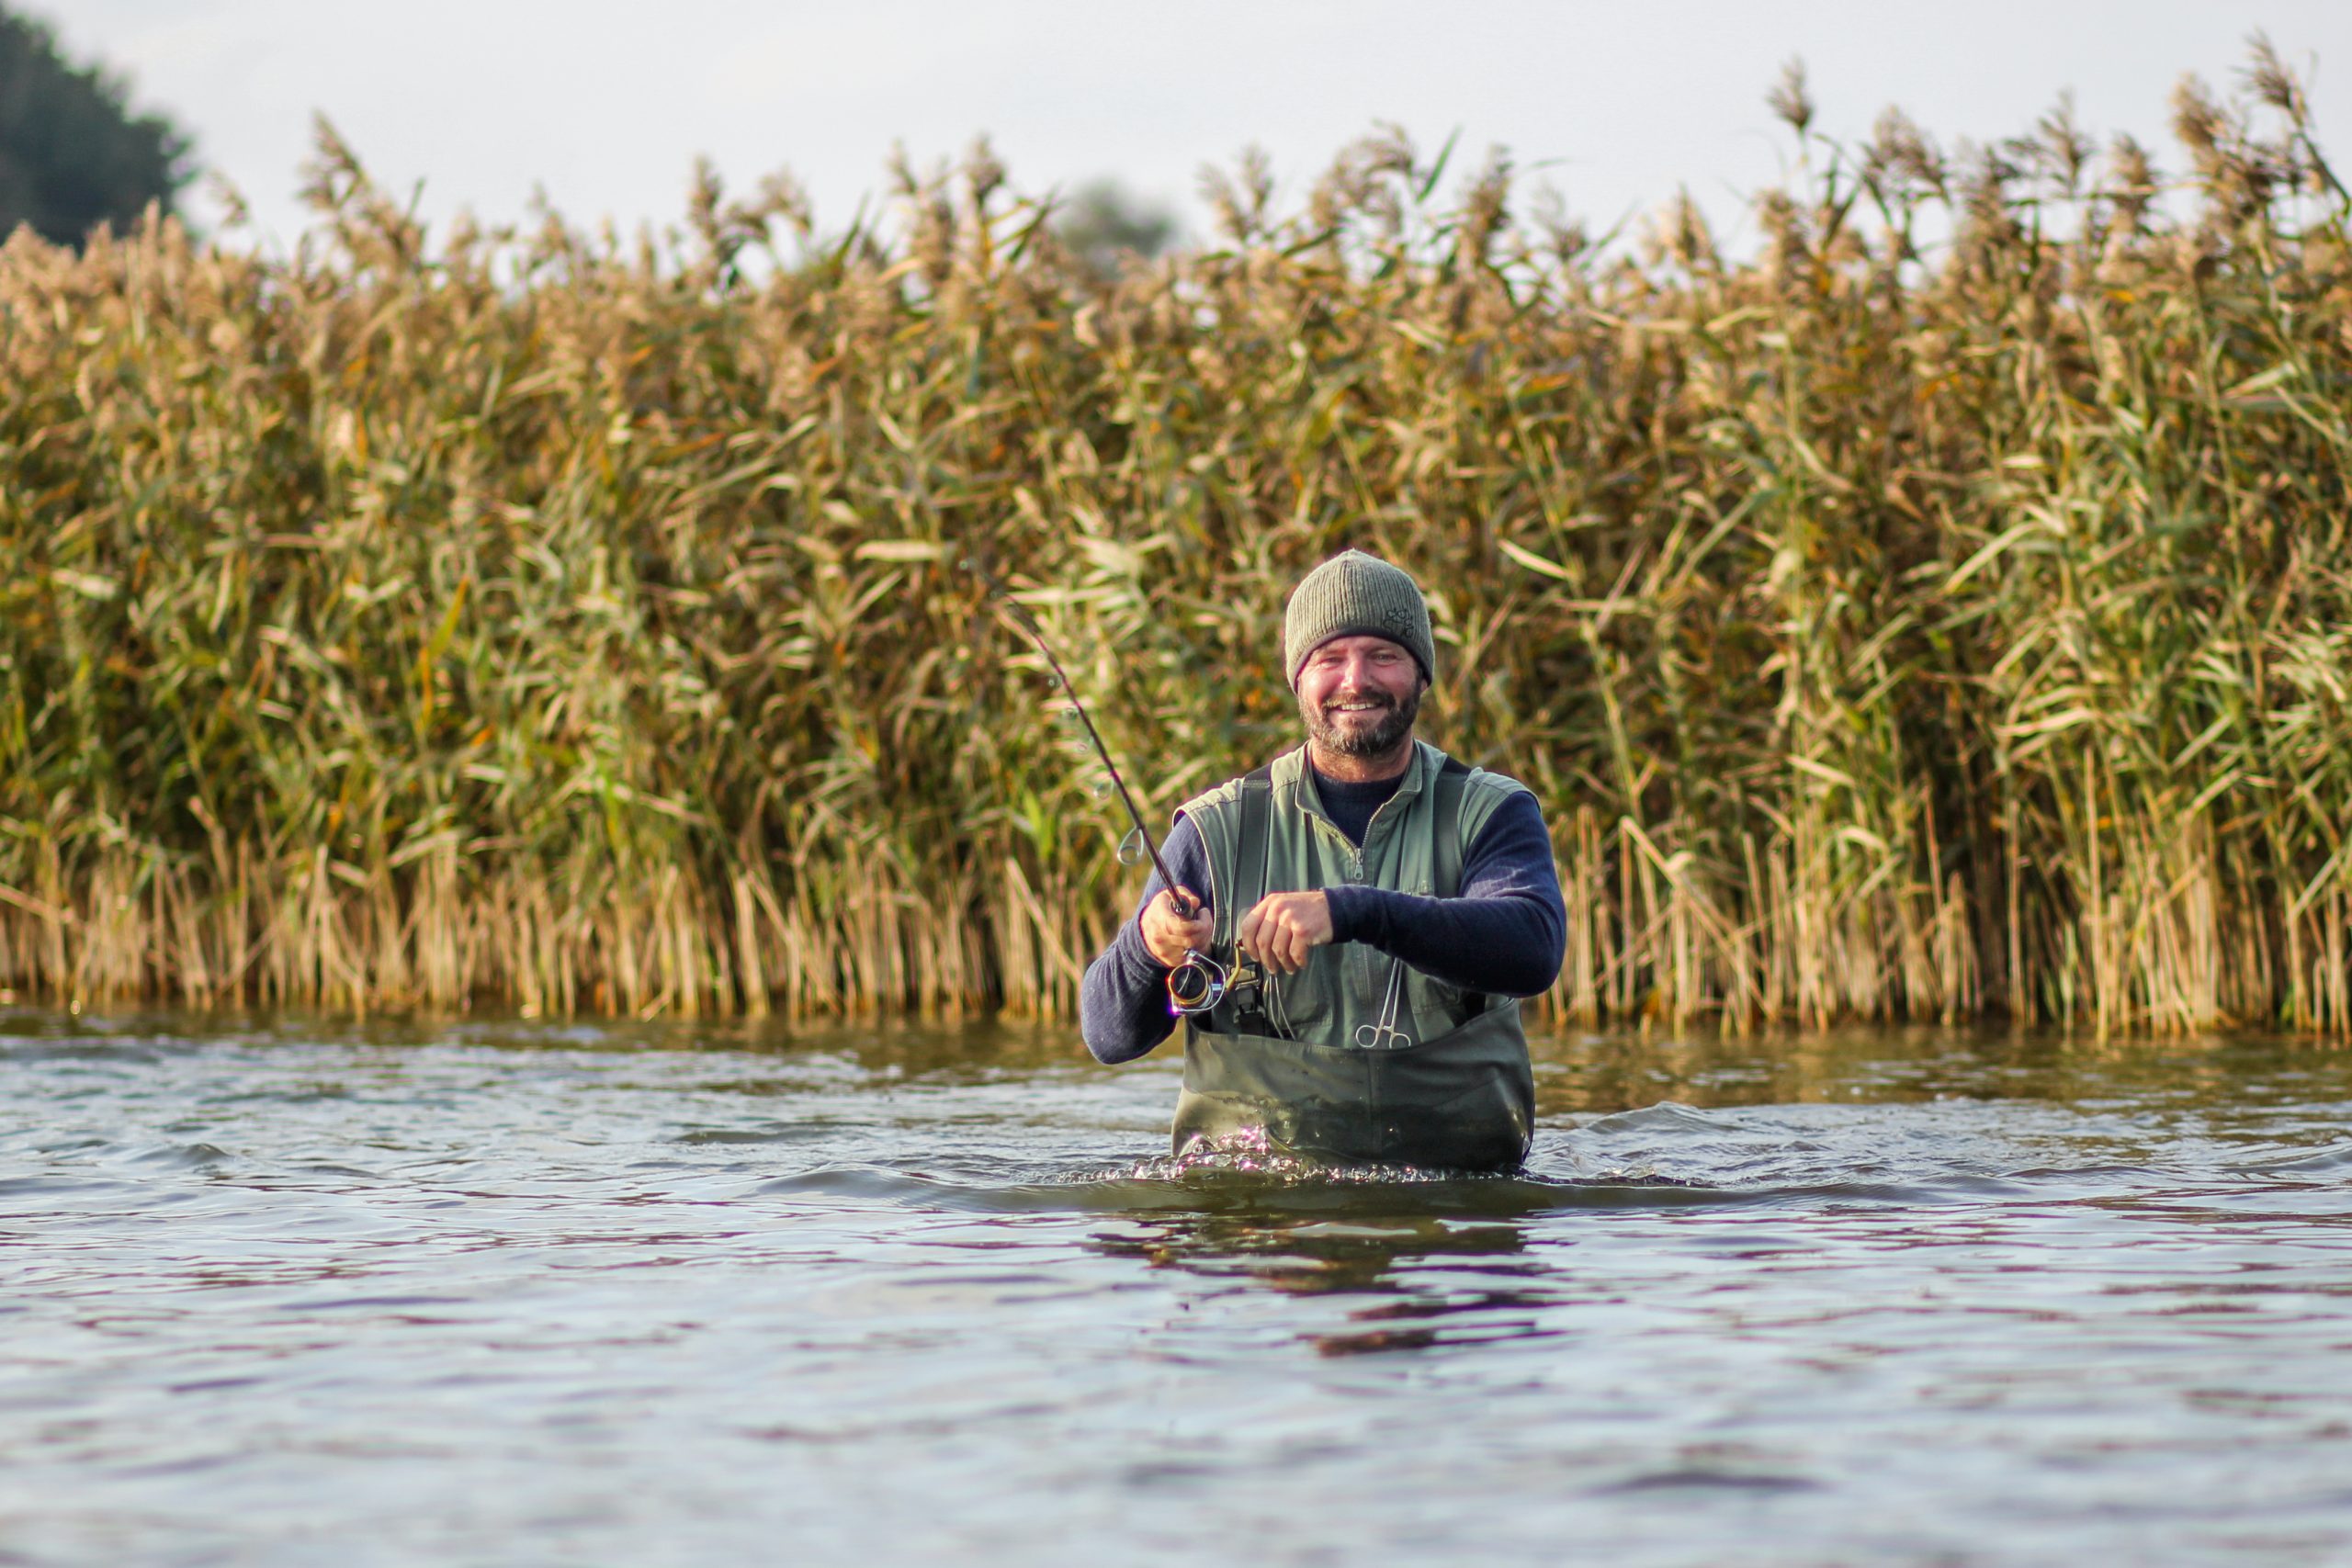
column 1504, row 933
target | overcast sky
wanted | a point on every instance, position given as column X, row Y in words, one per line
column 606, row 103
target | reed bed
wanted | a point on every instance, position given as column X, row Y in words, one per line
column 1893, row 629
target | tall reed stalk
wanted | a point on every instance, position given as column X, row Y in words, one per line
column 1892, row 630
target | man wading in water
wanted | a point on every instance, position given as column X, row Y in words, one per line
column 1395, row 905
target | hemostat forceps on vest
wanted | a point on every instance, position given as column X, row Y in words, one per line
column 1384, row 1035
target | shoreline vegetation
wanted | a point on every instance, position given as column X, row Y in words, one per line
column 1891, row 630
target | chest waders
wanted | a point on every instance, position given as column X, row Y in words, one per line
column 1356, row 1057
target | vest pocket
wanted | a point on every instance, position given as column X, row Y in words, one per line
column 1438, row 1009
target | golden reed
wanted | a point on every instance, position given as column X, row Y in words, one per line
column 1894, row 629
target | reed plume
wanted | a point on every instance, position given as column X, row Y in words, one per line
column 1893, row 629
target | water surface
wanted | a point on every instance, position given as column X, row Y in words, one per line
column 287, row 1291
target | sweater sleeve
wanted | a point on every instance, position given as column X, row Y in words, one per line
column 1122, row 1007
column 1506, row 932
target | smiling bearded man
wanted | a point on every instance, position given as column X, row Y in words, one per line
column 1382, row 908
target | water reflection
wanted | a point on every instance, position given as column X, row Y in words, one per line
column 1587, row 1073
column 1577, row 1072
column 1454, row 1267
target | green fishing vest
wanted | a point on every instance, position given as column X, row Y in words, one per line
column 1357, row 1057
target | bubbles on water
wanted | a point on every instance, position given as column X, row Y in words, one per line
column 1132, row 848
column 1251, row 1152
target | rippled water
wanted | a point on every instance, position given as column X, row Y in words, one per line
column 304, row 1292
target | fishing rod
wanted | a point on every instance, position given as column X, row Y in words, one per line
column 1199, row 983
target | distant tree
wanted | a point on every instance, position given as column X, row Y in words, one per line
column 1102, row 223
column 72, row 153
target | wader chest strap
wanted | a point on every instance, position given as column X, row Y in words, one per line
column 1447, row 804
column 1446, row 875
column 1244, row 1011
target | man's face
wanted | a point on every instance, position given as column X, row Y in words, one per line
column 1359, row 695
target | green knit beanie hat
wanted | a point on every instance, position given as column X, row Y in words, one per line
column 1354, row 594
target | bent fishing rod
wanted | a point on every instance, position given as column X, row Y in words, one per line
column 1199, row 983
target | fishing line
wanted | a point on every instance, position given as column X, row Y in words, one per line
column 1199, row 983
column 1036, row 634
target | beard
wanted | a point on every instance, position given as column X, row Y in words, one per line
column 1396, row 722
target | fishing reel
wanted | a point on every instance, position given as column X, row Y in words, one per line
column 1200, row 982
column 1197, row 985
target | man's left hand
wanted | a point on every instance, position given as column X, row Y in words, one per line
column 1283, row 928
